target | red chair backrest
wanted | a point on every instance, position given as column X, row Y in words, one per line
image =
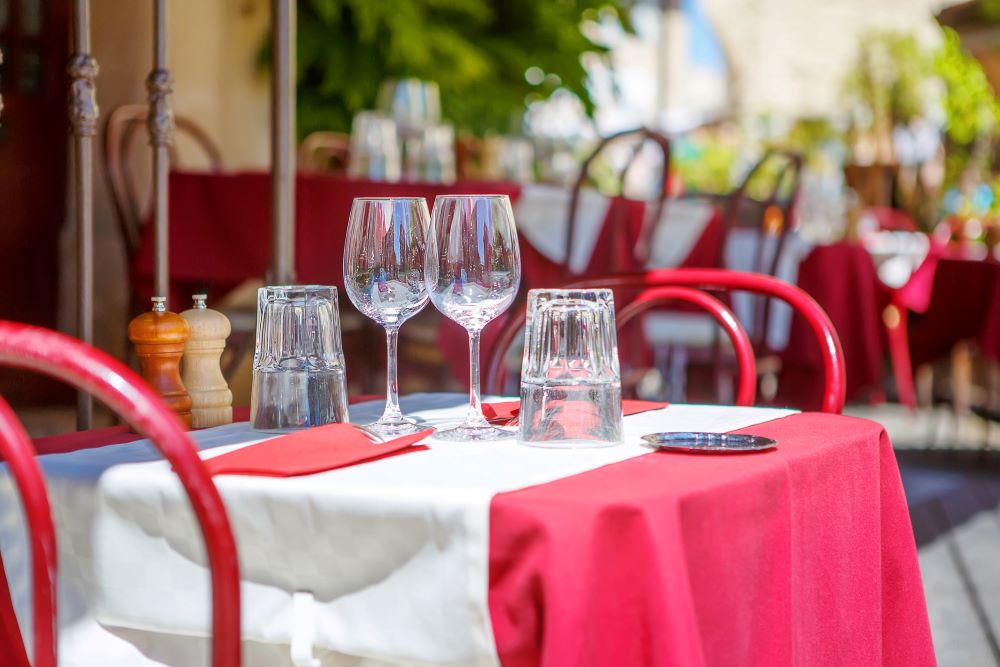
column 654, row 296
column 119, row 388
column 641, row 249
column 648, row 298
column 834, row 387
column 16, row 449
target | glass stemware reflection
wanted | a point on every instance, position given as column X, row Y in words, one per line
column 473, row 270
column 383, row 276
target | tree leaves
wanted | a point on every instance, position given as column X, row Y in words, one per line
column 476, row 50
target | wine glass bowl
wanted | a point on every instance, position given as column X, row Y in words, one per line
column 383, row 277
column 473, row 270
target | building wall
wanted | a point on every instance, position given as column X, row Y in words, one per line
column 789, row 56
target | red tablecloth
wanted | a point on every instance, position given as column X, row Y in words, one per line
column 802, row 556
column 957, row 300
column 842, row 279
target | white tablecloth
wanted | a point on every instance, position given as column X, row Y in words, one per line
column 542, row 212
column 389, row 558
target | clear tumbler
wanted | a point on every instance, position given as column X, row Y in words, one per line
column 570, row 379
column 299, row 377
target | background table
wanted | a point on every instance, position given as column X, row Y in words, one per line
column 478, row 554
column 219, row 230
column 219, row 238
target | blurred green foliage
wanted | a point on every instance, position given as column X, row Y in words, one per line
column 704, row 160
column 895, row 79
column 889, row 77
column 707, row 158
column 990, row 10
column 970, row 105
column 476, row 50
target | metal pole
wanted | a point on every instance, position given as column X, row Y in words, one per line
column 83, row 126
column 160, row 123
column 282, row 269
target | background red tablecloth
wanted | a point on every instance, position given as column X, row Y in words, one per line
column 803, row 556
column 220, row 236
column 220, row 227
column 842, row 279
column 958, row 301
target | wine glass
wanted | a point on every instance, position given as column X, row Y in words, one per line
column 472, row 269
column 383, row 276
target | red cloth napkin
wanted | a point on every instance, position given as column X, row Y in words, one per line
column 509, row 409
column 310, row 451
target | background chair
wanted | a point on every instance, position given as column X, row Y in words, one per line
column 764, row 201
column 650, row 298
column 124, row 125
column 88, row 369
column 623, row 256
column 834, row 387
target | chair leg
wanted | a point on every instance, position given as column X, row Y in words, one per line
column 677, row 379
column 894, row 319
column 923, row 381
column 961, row 378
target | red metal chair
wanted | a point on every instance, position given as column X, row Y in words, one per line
column 656, row 296
column 641, row 248
column 86, row 368
column 16, row 449
column 711, row 279
column 649, row 298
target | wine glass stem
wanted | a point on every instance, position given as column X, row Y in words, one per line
column 475, row 416
column 392, row 411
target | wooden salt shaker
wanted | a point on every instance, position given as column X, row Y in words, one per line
column 211, row 399
column 159, row 337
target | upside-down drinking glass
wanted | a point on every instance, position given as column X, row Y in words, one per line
column 384, row 278
column 299, row 379
column 473, row 269
column 571, row 394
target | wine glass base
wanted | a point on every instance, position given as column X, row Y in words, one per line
column 394, row 429
column 477, row 433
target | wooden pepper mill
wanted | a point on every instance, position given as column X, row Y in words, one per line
column 211, row 399
column 159, row 337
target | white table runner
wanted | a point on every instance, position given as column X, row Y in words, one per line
column 542, row 212
column 393, row 554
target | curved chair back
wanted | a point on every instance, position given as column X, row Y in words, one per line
column 120, row 133
column 773, row 215
column 746, row 388
column 641, row 249
column 648, row 298
column 834, row 386
column 88, row 369
column 16, row 449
